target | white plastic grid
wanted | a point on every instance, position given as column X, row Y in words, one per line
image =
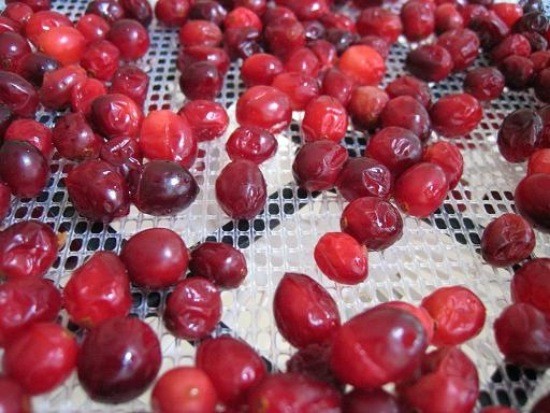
column 441, row 250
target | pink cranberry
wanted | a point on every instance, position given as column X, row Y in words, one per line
column 456, row 115
column 406, row 85
column 418, row 19
column 132, row 82
column 484, row 83
column 33, row 132
column 363, row 64
column 251, row 143
column 265, row 107
column 365, row 106
column 208, row 120
column 430, row 62
column 364, row 177
column 448, row 157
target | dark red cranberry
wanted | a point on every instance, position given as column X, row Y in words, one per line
column 163, row 188
column 266, row 107
column 542, row 405
column 324, row 119
column 519, row 135
column 5, row 200
column 25, row 301
column 484, row 83
column 278, row 13
column 298, row 87
column 531, row 197
column 260, row 69
column 406, row 85
column 448, row 157
column 283, row 36
column 23, row 168
column 123, row 153
column 518, row 71
column 377, row 21
column 430, row 62
column 338, row 85
column 418, row 19
column 35, row 65
column 208, row 10
column 65, row 44
column 200, row 33
column 314, row 30
column 313, row 361
column 241, row 17
column 201, row 80
column 448, row 17
column 132, row 82
column 165, row 135
column 105, row 370
column 6, row 118
column 541, row 85
column 490, row 29
column 341, row 39
column 462, row 45
column 18, row 12
column 57, row 86
column 12, row 397
column 35, row 5
column 363, row 64
column 43, row 21
column 532, row 22
column 98, row 290
column 33, row 132
column 325, row 52
column 455, row 115
column 375, row 400
column 126, row 122
column 514, row 44
column 530, row 283
column 539, row 162
column 18, row 94
column 303, row 60
column 221, row 263
column 509, row 13
column 139, row 10
column 98, row 191
column 375, row 338
column 13, row 47
column 208, row 120
column 172, row 13
column 130, row 37
column 373, row 222
column 308, row 9
column 101, row 59
column 74, row 138
column 536, row 41
column 362, row 177
column 257, row 6
column 338, row 20
column 408, row 113
column 83, row 94
column 241, row 190
column 251, row 143
column 218, row 57
column 92, row 27
column 110, row 10
column 8, row 25
column 193, row 309
column 242, row 42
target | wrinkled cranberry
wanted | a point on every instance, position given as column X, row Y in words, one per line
column 123, row 153
column 363, row 64
column 115, row 115
column 519, row 135
column 74, row 138
column 484, row 83
column 377, row 21
column 92, row 27
column 298, row 87
column 462, row 45
column 13, row 47
column 518, row 71
column 33, row 132
column 208, row 120
column 514, row 44
column 57, row 86
column 132, row 82
column 430, row 62
column 448, row 157
column 539, row 162
column 375, row 400
column 172, row 13
column 530, row 283
column 283, row 36
column 406, row 85
column 242, row 43
column 43, row 21
column 303, row 60
column 18, row 94
column 200, row 33
column 408, row 113
column 456, row 115
column 83, row 94
column 418, row 19
column 215, row 55
column 34, row 66
column 364, row 177
column 221, row 263
column 531, row 197
column 101, row 59
column 325, row 52
column 266, row 107
column 23, row 168
column 490, row 29
column 324, row 118
column 201, row 80
column 260, row 69
column 12, row 397
column 208, row 10
column 130, row 37
column 139, row 10
column 448, row 17
column 65, row 44
column 252, row 143
column 110, row 10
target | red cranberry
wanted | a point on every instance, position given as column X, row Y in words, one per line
column 364, row 177
column 241, row 17
column 522, row 334
column 406, row 85
column 379, row 22
column 26, row 301
column 419, row 312
column 33, row 132
column 375, row 400
column 338, row 85
column 298, row 87
column 396, row 148
column 490, row 29
column 408, row 113
column 531, row 197
column 308, row 9
column 123, row 153
column 314, row 30
column 257, row 6
column 12, row 397
column 241, row 43
column 163, row 188
column 50, row 343
column 448, row 17
column 456, row 115
column 325, row 52
column 530, row 284
column 13, row 47
column 23, row 168
column 208, row 120
column 514, row 44
column 303, row 60
column 167, row 136
column 34, row 66
column 241, row 190
column 468, row 315
column 139, row 10
column 341, row 258
column 5, row 200
column 110, row 10
column 8, row 25
column 318, row 164
column 98, row 191
column 418, row 19
column 101, row 59
column 373, row 222
column 234, row 375
column 35, row 5
column 484, row 83
column 92, row 27
column 363, row 64
column 132, row 82
column 324, row 118
column 172, row 12
column 221, row 263
column 260, row 69
column 448, row 157
column 462, row 45
column 184, row 388
column 509, row 13
column 18, row 94
column 130, row 37
column 421, row 189
column 43, row 21
column 200, row 33
column 539, row 162
column 375, row 338
column 304, row 311
column 65, row 44
column 251, row 143
column 155, row 258
column 105, row 370
column 519, row 135
column 201, row 80
column 193, row 309
column 313, row 361
column 18, row 11
column 536, row 41
column 57, row 86
column 208, row 10
column 541, row 85
column 518, row 71
column 265, row 107
column 83, row 94
column 430, row 62
column 283, row 36
column 98, row 290
column 74, row 139
column 218, row 57
column 116, row 115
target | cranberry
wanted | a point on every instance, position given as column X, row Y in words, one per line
column 6, row 118
column 448, row 17
column 50, row 343
column 163, row 188
column 514, row 44
column 533, row 21
column 375, row 400
column 106, row 371
column 201, row 80
column 314, row 30
column 418, row 19
column 396, row 148
column 522, row 334
column 110, row 10
column 304, row 311
column 448, row 157
column 33, row 132
column 193, row 309
column 518, row 71
column 313, row 361
column 536, row 41
column 208, row 10
column 208, row 120
column 325, row 52
column 509, row 13
column 318, row 164
column 490, row 29
column 221, row 263
column 65, row 44
column 341, row 258
column 92, row 27
column 373, row 222
column 74, row 139
column 23, row 168
column 363, row 64
column 234, row 375
column 293, row 392
column 200, row 33
column 265, row 107
column 241, row 17
column 83, row 94
column 130, row 37
column 12, row 397
column 98, row 290
column 8, row 25
column 43, row 21
column 18, row 95
column 184, row 388
column 98, row 191
column 542, row 405
column 406, row 85
column 132, row 82
column 462, row 45
column 242, row 42
column 532, row 200
column 369, row 349
column 26, row 301
column 35, row 5
column 303, row 60
column 484, row 83
column 218, row 57
column 57, row 86
column 139, row 10
column 260, row 69
column 366, row 105
column 101, row 59
column 362, row 177
column 257, row 6
column 530, row 284
column 116, row 115
column 539, row 162
column 172, row 12
column 324, row 118
column 251, row 143
column 430, row 62
column 298, row 87
column 379, row 22
column 123, row 153
column 5, row 200
column 13, row 47
column 34, row 66
column 308, row 9
column 408, row 113
column 541, row 85
column 18, row 11
column 519, row 135
column 419, row 312
column 284, row 35
column 456, row 115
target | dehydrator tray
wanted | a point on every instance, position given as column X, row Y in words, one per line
column 440, row 250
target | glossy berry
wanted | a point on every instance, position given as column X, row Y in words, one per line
column 324, row 119
column 447, row 17
column 74, row 138
column 201, row 80
column 155, row 258
column 105, row 370
column 303, row 60
column 208, row 10
column 430, row 62
column 365, row 106
column 33, row 132
column 283, row 36
column 23, row 168
column 304, row 311
column 325, row 52
column 338, row 85
column 65, row 44
column 50, row 343
column 13, row 398
column 56, row 90
column 260, row 69
column 221, row 263
column 448, row 157
column 200, row 33
column 456, row 115
column 34, row 66
column 110, row 10
column 132, row 82
column 462, row 45
column 518, row 71
column 251, row 143
column 531, row 284
column 13, row 47
column 300, row 88
column 208, row 120
column 519, row 135
column 242, row 42
column 215, row 55
column 127, row 121
column 539, row 162
column 484, row 83
column 98, row 290
column 172, row 12
column 83, row 94
column 18, row 11
column 101, row 59
column 364, row 400
column 130, row 37
column 406, row 85
column 490, row 29
column 363, row 64
column 419, row 312
column 18, row 94
column 407, row 112
column 92, row 27
column 193, row 309
column 265, row 107
column 532, row 203
column 363, row 176
column 514, row 44
column 418, row 19
column 43, row 21
column 509, row 13
column 381, row 22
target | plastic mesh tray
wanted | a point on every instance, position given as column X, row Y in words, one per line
column 440, row 250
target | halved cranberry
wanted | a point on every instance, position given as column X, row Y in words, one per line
column 539, row 162
column 116, row 115
column 260, row 69
column 519, row 135
column 462, row 45
column 484, row 83
column 23, row 168
column 139, row 10
column 34, row 66
column 98, row 290
column 208, row 120
column 83, row 94
column 130, row 37
column 406, row 85
column 265, row 107
column 531, row 283
column 364, row 400
column 43, row 21
column 298, row 87
column 365, row 106
column 373, row 222
column 57, row 86
column 101, row 59
column 408, row 113
column 215, row 55
column 92, row 27
column 364, row 177
column 33, row 132
column 13, row 48
column 123, row 153
column 418, row 19
column 201, row 80
column 74, row 138
column 284, row 35
column 132, row 82
column 252, row 143
column 172, row 13
column 110, row 10
column 363, row 64
column 65, row 44
column 448, row 17
column 200, row 33
column 456, row 114
column 430, row 62
column 377, row 21
column 18, row 94
column 208, row 10
column 531, row 197
column 221, row 263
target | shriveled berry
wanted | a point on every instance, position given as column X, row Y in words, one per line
column 462, row 45
column 18, row 94
column 514, row 44
column 407, row 112
column 172, row 13
column 298, row 87
column 448, row 157
column 519, row 135
column 363, row 176
column 456, row 115
column 324, row 119
column 123, row 153
column 430, row 62
column 208, row 120
column 83, row 94
column 131, row 81
column 200, row 32
column 381, row 22
column 221, row 263
column 365, row 106
column 418, row 19
column 116, row 115
column 406, row 85
column 74, row 138
column 56, row 90
column 101, row 59
column 484, row 83
column 265, row 107
column 251, row 143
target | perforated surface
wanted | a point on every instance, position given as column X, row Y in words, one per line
column 441, row 250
